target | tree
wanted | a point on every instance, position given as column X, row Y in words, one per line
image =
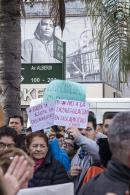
column 10, row 51
column 10, row 55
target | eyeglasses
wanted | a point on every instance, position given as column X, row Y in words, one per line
column 9, row 146
column 106, row 126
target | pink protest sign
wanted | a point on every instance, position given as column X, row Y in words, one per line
column 66, row 113
column 41, row 115
column 71, row 113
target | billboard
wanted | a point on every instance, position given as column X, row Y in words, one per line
column 82, row 63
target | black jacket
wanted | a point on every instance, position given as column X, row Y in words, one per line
column 21, row 142
column 51, row 172
column 115, row 179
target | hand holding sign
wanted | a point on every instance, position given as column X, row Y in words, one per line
column 74, row 132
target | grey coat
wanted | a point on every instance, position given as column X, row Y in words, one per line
column 91, row 154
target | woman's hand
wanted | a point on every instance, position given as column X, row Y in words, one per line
column 16, row 175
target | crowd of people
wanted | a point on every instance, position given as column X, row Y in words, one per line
column 96, row 159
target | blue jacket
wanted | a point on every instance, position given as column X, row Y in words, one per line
column 59, row 154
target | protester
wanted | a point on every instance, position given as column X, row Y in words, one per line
column 48, row 171
column 59, row 153
column 107, row 119
column 99, row 166
column 8, row 138
column 16, row 122
column 88, row 151
column 7, row 157
column 56, row 137
column 55, row 131
column 99, row 127
column 116, row 178
column 69, row 146
column 15, row 177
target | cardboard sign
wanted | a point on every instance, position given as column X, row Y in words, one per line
column 63, row 189
column 63, row 89
column 34, row 102
column 41, row 115
column 70, row 113
column 66, row 113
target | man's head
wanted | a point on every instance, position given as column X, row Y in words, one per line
column 8, row 138
column 44, row 30
column 107, row 119
column 99, row 127
column 16, row 122
column 90, row 130
column 119, row 137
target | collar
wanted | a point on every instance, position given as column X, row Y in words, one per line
column 48, row 158
column 118, row 171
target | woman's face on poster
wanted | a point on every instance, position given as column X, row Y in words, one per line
column 46, row 29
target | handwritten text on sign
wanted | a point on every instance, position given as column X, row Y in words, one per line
column 71, row 113
column 59, row 112
column 41, row 116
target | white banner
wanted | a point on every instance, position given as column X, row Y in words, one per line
column 63, row 189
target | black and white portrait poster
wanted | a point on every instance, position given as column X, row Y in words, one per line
column 82, row 63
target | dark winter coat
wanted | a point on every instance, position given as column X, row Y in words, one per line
column 51, row 172
column 21, row 142
column 115, row 179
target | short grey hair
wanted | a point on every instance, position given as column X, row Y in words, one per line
column 119, row 134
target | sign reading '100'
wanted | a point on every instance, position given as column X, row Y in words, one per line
column 41, row 73
column 39, row 80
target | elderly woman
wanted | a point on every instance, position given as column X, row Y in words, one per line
column 48, row 171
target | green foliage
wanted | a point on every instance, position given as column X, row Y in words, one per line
column 112, row 32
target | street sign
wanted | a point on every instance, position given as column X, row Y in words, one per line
column 41, row 73
column 58, row 49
